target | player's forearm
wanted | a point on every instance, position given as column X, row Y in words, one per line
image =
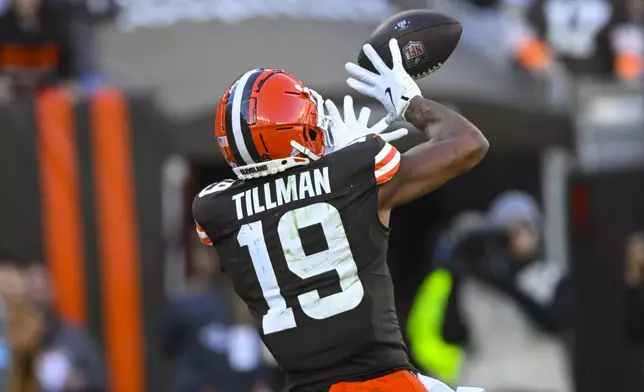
column 442, row 124
column 438, row 122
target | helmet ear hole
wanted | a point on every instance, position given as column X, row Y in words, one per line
column 312, row 134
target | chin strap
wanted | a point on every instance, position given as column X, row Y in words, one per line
column 303, row 150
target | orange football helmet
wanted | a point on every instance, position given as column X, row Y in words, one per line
column 267, row 121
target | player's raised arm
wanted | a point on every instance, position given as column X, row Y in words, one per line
column 455, row 145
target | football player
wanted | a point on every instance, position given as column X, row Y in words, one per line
column 302, row 231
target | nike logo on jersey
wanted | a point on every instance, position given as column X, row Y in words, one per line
column 388, row 92
column 282, row 191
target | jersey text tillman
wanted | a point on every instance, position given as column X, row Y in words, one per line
column 283, row 191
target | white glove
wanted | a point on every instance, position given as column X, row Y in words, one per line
column 344, row 131
column 394, row 88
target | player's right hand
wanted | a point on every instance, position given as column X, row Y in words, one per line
column 346, row 130
column 394, row 88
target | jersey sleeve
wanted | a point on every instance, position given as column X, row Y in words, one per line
column 386, row 162
column 210, row 211
column 203, row 237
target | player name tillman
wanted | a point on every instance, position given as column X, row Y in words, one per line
column 282, row 191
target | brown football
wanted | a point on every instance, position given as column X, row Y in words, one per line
column 426, row 40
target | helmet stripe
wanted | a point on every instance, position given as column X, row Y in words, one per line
column 228, row 116
column 248, row 118
column 238, row 118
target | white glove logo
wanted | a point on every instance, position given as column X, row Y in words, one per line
column 388, row 92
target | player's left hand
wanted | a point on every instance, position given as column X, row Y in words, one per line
column 393, row 87
column 345, row 130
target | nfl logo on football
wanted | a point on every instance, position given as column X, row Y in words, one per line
column 402, row 25
column 414, row 53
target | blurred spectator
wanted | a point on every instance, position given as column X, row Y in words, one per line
column 44, row 352
column 69, row 360
column 588, row 37
column 199, row 334
column 635, row 287
column 9, row 291
column 492, row 295
column 37, row 47
column 5, row 356
column 23, row 325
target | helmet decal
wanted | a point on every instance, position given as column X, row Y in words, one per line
column 238, row 116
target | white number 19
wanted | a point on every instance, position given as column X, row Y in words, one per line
column 337, row 257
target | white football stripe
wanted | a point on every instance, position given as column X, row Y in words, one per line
column 389, row 166
column 238, row 94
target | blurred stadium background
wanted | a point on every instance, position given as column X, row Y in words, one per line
column 106, row 113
